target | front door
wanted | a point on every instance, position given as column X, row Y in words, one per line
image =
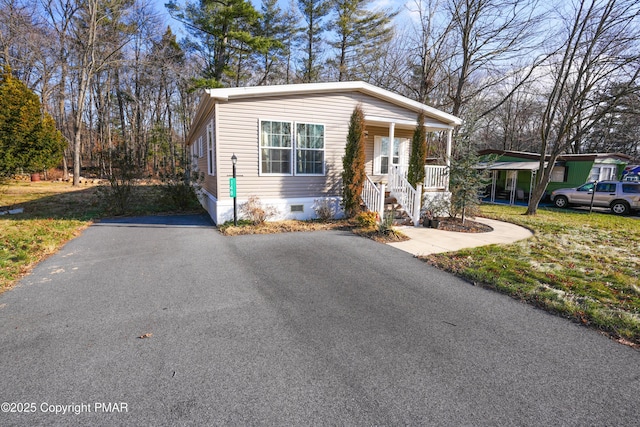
column 381, row 154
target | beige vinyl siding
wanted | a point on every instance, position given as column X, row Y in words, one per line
column 210, row 182
column 238, row 132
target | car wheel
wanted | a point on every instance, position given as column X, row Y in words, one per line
column 620, row 208
column 561, row 202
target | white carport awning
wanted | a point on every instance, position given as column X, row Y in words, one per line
column 510, row 166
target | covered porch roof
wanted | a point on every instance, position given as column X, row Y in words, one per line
column 510, row 166
column 430, row 125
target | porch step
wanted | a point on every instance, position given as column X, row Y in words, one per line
column 400, row 216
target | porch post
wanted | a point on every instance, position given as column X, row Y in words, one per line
column 417, row 202
column 494, row 181
column 392, row 131
column 380, row 207
column 448, row 159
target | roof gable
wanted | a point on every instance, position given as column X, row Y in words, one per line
column 227, row 94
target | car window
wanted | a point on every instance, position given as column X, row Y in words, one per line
column 586, row 187
column 606, row 187
column 631, row 188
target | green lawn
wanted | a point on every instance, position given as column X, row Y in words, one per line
column 580, row 265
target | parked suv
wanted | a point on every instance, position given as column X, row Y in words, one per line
column 621, row 197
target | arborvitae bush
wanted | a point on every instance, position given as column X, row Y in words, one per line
column 353, row 174
column 418, row 156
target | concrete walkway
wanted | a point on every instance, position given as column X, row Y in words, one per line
column 425, row 241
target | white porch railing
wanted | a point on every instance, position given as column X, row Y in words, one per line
column 407, row 196
column 373, row 196
column 436, row 178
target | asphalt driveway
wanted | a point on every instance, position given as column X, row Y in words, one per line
column 288, row 329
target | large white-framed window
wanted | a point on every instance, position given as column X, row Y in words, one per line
column 276, row 146
column 309, row 144
column 381, row 154
column 211, row 157
column 603, row 173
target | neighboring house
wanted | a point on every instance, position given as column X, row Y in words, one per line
column 289, row 141
column 513, row 172
column 631, row 173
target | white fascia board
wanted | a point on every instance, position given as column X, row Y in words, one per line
column 225, row 94
column 410, row 123
column 411, row 104
column 204, row 108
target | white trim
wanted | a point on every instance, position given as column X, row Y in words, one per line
column 291, row 149
column 212, row 96
column 296, row 148
column 391, row 146
column 200, row 148
column 226, row 94
column 434, row 126
column 221, row 211
column 216, row 139
column 210, row 204
column 211, row 156
column 403, row 154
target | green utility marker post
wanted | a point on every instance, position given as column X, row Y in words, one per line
column 232, row 187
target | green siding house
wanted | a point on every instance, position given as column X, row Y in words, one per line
column 513, row 172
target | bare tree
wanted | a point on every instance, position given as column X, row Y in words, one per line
column 598, row 47
column 429, row 53
column 492, row 36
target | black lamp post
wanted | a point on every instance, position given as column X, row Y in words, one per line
column 234, row 160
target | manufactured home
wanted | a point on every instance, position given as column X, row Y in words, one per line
column 288, row 142
column 513, row 173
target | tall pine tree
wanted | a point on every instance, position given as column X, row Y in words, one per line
column 313, row 12
column 220, row 29
column 29, row 140
column 275, row 27
column 360, row 33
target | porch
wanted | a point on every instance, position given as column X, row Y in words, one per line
column 511, row 182
column 388, row 146
column 376, row 194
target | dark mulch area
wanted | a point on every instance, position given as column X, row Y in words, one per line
column 469, row 226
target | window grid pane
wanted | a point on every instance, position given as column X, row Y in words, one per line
column 310, row 161
column 276, row 160
column 309, row 149
column 276, row 145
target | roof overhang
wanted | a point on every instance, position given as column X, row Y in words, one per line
column 510, row 166
column 586, row 157
column 406, row 124
column 436, row 119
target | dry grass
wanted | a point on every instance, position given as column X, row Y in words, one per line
column 244, row 227
column 54, row 213
column 579, row 265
